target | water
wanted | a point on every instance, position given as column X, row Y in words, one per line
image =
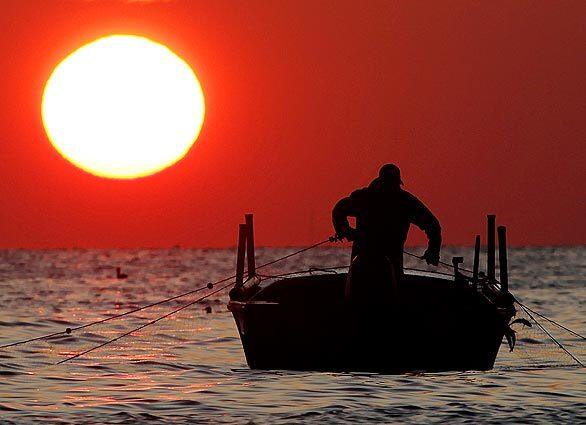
column 191, row 367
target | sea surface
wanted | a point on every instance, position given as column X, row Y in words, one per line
column 190, row 367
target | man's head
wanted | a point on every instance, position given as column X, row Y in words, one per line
column 390, row 175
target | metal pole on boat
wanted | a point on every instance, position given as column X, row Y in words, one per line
column 250, row 245
column 503, row 262
column 490, row 247
column 242, row 230
column 476, row 259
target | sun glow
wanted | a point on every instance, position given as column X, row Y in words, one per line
column 123, row 107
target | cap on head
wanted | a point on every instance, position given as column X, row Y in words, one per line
column 390, row 173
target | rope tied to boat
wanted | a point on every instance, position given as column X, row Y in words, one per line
column 229, row 282
column 209, row 285
column 527, row 310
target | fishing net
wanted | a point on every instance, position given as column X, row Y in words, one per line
column 166, row 341
column 534, row 348
column 183, row 333
column 160, row 343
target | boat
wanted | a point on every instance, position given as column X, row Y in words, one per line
column 442, row 322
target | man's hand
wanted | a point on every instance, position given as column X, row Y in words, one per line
column 431, row 257
column 349, row 234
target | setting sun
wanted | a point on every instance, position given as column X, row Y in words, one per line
column 123, row 107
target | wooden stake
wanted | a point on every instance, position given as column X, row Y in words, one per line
column 476, row 259
column 242, row 230
column 250, row 245
column 490, row 247
column 503, row 262
column 455, row 262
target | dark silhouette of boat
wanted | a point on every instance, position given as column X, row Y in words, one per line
column 442, row 322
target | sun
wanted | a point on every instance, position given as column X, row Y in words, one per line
column 123, row 107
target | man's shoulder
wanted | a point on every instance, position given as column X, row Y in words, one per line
column 409, row 197
column 360, row 194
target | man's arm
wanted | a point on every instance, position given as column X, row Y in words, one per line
column 342, row 210
column 423, row 218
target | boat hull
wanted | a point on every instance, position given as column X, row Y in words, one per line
column 439, row 325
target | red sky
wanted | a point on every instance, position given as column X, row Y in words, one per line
column 481, row 104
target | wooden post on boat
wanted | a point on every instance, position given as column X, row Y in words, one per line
column 490, row 247
column 242, row 233
column 455, row 262
column 503, row 262
column 476, row 260
column 250, row 245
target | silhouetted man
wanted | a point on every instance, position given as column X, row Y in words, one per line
column 383, row 212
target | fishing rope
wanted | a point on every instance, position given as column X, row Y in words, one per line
column 183, row 307
column 549, row 320
column 152, row 322
column 551, row 336
column 332, row 239
column 427, row 271
column 117, row 316
column 334, row 270
column 211, row 285
column 517, row 301
column 189, row 304
column 309, row 270
column 315, row 245
column 527, row 310
column 447, row 265
column 166, row 300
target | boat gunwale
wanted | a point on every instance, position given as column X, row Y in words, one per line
column 267, row 280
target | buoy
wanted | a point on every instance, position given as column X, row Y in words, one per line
column 120, row 275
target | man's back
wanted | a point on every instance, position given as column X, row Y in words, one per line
column 383, row 218
column 384, row 213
